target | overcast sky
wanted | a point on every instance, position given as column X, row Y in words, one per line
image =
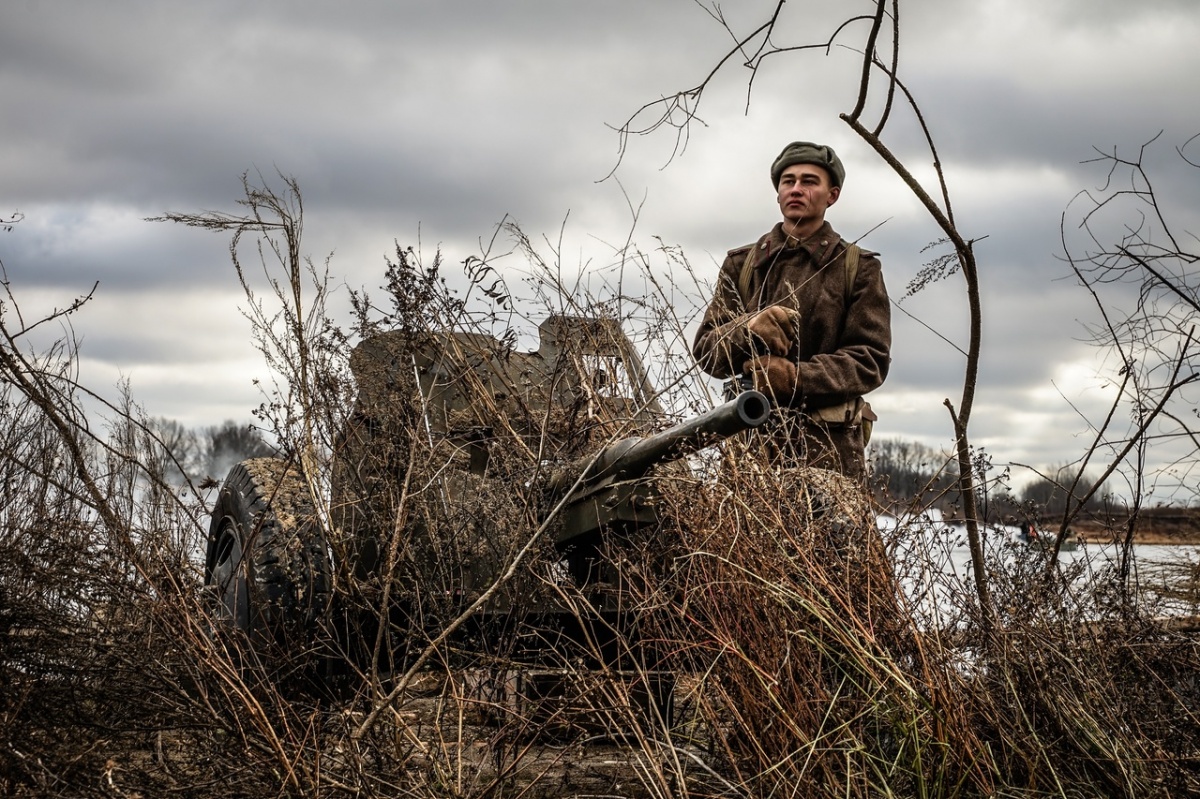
column 429, row 122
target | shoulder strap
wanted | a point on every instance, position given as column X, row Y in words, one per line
column 853, row 256
column 743, row 284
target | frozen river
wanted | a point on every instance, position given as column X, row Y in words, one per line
column 934, row 563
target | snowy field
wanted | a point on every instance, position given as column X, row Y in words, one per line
column 933, row 562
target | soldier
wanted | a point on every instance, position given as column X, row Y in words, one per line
column 804, row 316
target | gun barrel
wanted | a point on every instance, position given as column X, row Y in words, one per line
column 633, row 457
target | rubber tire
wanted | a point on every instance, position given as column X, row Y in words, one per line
column 267, row 565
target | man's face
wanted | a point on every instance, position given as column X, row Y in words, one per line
column 805, row 191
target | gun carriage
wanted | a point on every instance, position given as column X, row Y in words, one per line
column 569, row 438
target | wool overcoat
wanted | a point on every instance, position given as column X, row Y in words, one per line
column 842, row 348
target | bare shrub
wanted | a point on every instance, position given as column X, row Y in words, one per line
column 746, row 632
column 95, row 553
column 810, row 674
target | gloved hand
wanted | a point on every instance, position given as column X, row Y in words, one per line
column 773, row 330
column 774, row 376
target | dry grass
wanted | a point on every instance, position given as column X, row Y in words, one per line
column 765, row 596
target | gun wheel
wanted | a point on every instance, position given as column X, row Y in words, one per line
column 267, row 564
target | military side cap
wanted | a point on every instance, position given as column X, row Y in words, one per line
column 805, row 152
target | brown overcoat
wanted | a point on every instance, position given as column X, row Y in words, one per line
column 842, row 347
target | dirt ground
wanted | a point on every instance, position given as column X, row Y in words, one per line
column 557, row 747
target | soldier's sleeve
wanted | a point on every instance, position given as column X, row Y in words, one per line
column 722, row 345
column 863, row 357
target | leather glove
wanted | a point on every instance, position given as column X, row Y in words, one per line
column 773, row 330
column 774, row 376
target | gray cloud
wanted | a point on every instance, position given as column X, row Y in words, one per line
column 430, row 120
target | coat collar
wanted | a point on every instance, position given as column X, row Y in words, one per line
column 820, row 246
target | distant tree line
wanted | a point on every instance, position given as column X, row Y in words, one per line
column 207, row 453
column 906, row 471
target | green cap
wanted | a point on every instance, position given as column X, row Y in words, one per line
column 805, row 152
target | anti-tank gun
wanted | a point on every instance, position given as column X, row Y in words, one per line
column 458, row 448
column 607, row 491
